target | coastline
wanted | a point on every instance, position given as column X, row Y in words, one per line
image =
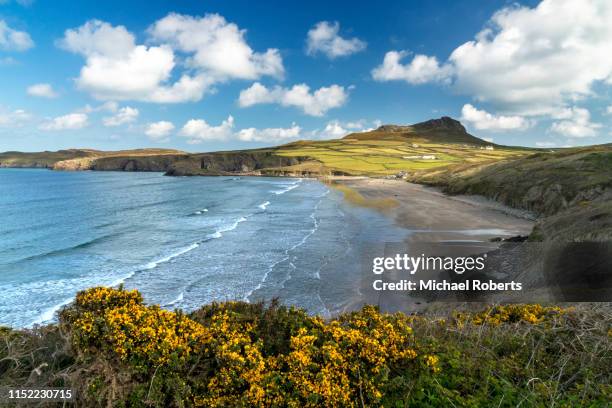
column 457, row 225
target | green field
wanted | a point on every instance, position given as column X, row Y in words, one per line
column 387, row 157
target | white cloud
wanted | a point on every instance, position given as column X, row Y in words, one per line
column 576, row 122
column 336, row 129
column 315, row 103
column 42, row 91
column 71, row 121
column 159, row 130
column 534, row 60
column 124, row 115
column 118, row 69
column 484, row 120
column 97, row 37
column 14, row 40
column 14, row 118
column 324, row 38
column 198, row 130
column 420, row 70
column 609, row 110
column 272, row 135
column 217, row 47
column 527, row 61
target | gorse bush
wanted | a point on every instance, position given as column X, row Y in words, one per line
column 116, row 323
column 114, row 350
column 334, row 364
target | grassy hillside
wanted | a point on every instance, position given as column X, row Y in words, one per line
column 113, row 350
column 383, row 157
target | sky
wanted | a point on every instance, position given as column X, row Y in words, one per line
column 221, row 75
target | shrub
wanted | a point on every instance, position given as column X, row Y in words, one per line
column 116, row 351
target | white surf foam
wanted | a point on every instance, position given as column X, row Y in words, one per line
column 219, row 233
column 170, row 257
column 48, row 315
column 178, row 299
column 289, row 188
column 265, row 205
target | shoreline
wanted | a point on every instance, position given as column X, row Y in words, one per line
column 434, row 221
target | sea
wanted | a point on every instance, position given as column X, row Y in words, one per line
column 181, row 241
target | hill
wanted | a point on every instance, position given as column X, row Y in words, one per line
column 442, row 130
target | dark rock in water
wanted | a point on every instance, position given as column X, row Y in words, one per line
column 517, row 238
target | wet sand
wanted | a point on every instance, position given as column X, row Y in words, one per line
column 437, row 224
column 435, row 216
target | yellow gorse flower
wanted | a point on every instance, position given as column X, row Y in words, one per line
column 343, row 362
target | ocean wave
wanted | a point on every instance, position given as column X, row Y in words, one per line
column 65, row 250
column 263, row 206
column 199, row 212
column 170, row 257
column 219, row 233
column 178, row 299
column 288, row 188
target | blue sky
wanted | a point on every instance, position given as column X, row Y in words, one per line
column 216, row 75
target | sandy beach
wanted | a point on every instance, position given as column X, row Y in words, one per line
column 438, row 224
column 435, row 216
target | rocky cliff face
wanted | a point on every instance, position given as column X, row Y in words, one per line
column 221, row 163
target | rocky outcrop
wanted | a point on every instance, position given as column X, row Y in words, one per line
column 441, row 130
column 74, row 164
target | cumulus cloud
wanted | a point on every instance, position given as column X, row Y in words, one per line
column 272, row 135
column 42, row 91
column 420, row 70
column 528, row 61
column 159, row 130
column 14, row 118
column 71, row 121
column 336, row 129
column 534, row 59
column 216, row 46
column 484, row 120
column 14, row 40
column 198, row 130
column 324, row 38
column 122, row 116
column 315, row 103
column 117, row 68
column 575, row 122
